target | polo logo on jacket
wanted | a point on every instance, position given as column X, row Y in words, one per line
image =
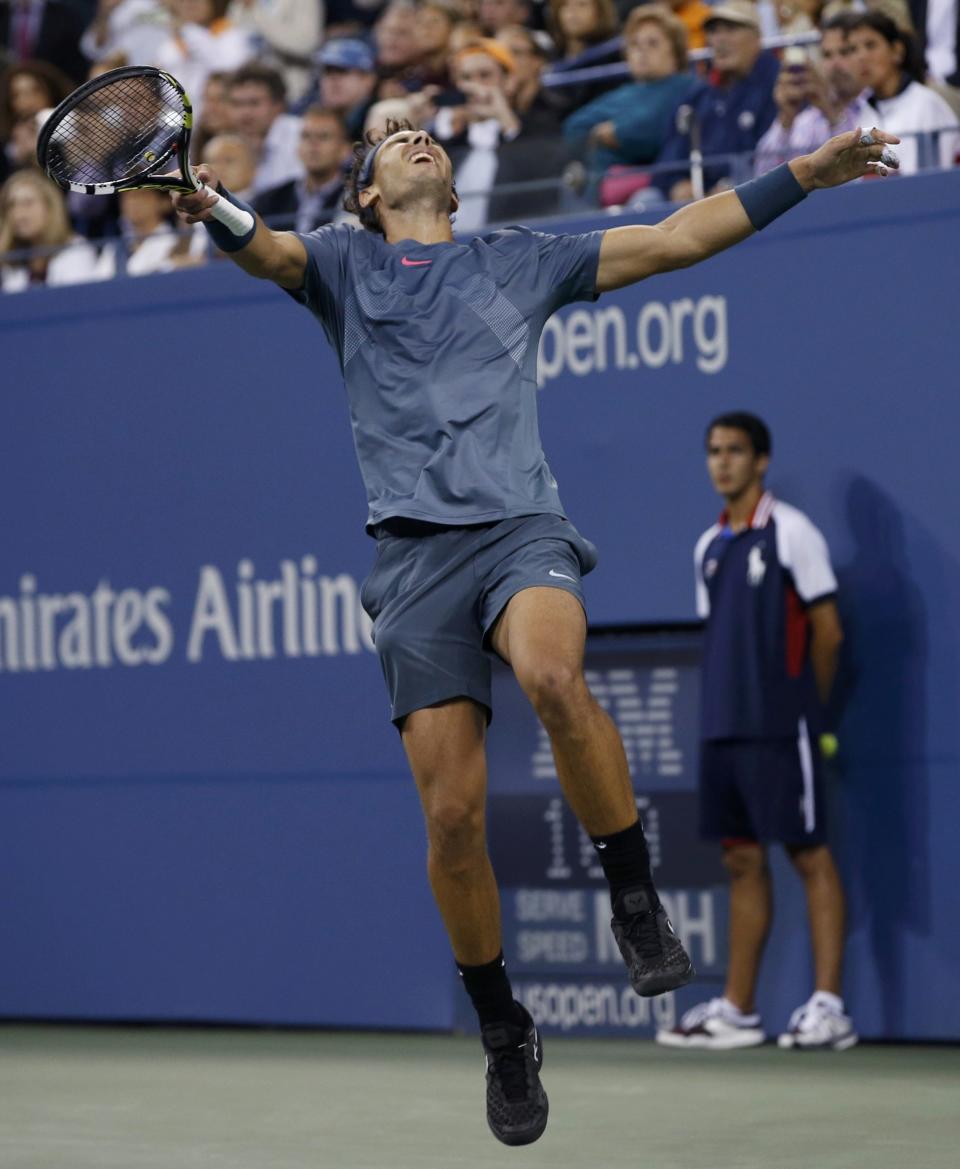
column 756, row 565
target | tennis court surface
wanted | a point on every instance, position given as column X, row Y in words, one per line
column 132, row 1098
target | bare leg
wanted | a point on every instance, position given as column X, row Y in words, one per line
column 444, row 745
column 751, row 911
column 541, row 634
column 827, row 911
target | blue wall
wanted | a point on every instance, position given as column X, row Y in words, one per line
column 203, row 809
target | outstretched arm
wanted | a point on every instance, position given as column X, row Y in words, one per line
column 700, row 230
column 269, row 255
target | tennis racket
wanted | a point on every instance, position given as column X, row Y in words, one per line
column 119, row 132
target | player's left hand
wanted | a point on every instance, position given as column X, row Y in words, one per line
column 846, row 157
column 849, row 156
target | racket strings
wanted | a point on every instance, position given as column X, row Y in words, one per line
column 116, row 132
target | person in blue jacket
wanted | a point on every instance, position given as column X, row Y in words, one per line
column 629, row 125
column 730, row 113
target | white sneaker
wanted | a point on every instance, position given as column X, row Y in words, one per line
column 819, row 1025
column 717, row 1025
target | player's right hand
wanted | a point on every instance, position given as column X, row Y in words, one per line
column 195, row 207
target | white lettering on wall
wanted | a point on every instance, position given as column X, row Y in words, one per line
column 588, row 341
column 242, row 616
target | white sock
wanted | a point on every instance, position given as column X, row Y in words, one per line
column 831, row 1001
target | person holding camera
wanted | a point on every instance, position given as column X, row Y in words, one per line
column 814, row 102
column 509, row 166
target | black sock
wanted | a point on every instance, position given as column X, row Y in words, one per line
column 490, row 992
column 626, row 865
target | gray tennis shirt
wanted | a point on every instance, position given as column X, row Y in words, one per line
column 438, row 347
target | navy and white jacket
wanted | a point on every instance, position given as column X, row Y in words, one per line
column 754, row 588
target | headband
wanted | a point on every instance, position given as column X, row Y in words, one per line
column 365, row 178
column 493, row 49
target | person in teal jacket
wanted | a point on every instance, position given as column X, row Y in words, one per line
column 629, row 125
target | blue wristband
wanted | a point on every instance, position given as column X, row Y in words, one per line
column 221, row 235
column 770, row 195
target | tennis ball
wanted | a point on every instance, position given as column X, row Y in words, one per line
column 829, row 746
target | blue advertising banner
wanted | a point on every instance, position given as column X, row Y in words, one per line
column 196, row 761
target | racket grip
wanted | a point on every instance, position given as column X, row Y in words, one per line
column 235, row 219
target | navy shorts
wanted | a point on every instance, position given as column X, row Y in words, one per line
column 435, row 593
column 764, row 790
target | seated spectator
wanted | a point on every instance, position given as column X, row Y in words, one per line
column 578, row 26
column 491, row 148
column 432, row 25
column 149, row 243
column 305, row 204
column 215, row 118
column 729, row 114
column 527, row 93
column 28, row 88
column 288, row 33
column 494, row 15
column 235, row 163
column 396, row 48
column 44, row 30
column 132, row 29
column 33, row 214
column 884, row 58
column 348, row 81
column 257, row 99
column 814, row 102
column 939, row 41
column 25, row 90
column 202, row 41
column 690, row 13
column 629, row 125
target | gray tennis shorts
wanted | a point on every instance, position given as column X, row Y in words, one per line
column 435, row 593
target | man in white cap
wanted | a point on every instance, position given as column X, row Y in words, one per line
column 728, row 115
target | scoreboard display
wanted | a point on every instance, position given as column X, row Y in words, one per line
column 561, row 955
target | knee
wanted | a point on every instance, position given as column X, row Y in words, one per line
column 456, row 832
column 812, row 863
column 745, row 860
column 556, row 690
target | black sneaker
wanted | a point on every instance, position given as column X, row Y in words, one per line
column 655, row 957
column 516, row 1102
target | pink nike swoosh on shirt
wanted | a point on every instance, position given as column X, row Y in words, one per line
column 414, row 263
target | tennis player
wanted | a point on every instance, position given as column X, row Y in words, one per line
column 437, row 339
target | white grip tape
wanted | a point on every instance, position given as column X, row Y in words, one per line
column 235, row 219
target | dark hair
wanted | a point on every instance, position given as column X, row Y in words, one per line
column 254, row 74
column 893, row 33
column 607, row 23
column 753, row 427
column 319, row 111
column 369, row 216
column 54, row 80
column 840, row 21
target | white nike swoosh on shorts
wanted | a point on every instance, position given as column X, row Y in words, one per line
column 562, row 575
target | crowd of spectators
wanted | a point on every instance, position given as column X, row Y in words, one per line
column 680, row 98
